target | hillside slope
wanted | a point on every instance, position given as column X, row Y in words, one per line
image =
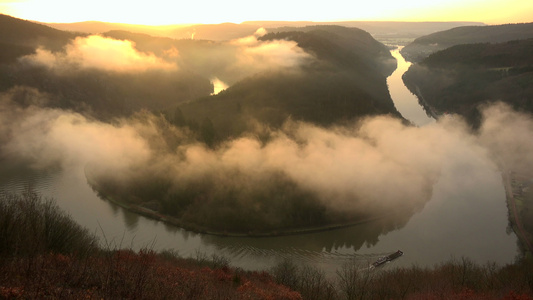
column 19, row 37
column 461, row 78
column 425, row 45
column 346, row 80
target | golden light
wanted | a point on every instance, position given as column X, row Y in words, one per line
column 98, row 52
column 161, row 12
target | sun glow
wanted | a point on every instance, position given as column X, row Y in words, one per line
column 161, row 12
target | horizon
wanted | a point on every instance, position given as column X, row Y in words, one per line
column 244, row 22
column 160, row 13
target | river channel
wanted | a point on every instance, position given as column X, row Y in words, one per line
column 462, row 219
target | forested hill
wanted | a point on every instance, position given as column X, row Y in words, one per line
column 345, row 80
column 351, row 47
column 19, row 37
column 425, row 45
column 460, row 78
column 22, row 32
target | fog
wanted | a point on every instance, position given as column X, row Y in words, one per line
column 99, row 53
column 507, row 134
column 376, row 163
column 234, row 60
column 224, row 63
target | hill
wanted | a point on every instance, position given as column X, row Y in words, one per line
column 346, row 80
column 19, row 37
column 463, row 77
column 425, row 45
column 21, row 32
column 226, row 31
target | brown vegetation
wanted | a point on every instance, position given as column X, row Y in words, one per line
column 123, row 274
column 456, row 279
column 45, row 254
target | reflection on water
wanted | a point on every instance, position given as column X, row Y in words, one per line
column 406, row 103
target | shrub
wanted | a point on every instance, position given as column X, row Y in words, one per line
column 30, row 225
column 309, row 281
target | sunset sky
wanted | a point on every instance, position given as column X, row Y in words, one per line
column 162, row 12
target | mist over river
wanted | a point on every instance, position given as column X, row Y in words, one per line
column 466, row 216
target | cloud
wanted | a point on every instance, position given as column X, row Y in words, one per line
column 46, row 137
column 235, row 60
column 100, row 53
column 508, row 135
column 378, row 163
column 268, row 55
column 374, row 165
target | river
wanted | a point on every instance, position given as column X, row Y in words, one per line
column 406, row 103
column 463, row 218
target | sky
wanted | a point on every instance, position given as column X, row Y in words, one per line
column 164, row 12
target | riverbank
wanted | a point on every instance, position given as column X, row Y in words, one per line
column 173, row 221
column 513, row 188
column 151, row 214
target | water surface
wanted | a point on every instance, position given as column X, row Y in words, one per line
column 406, row 103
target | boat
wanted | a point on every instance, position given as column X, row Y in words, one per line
column 385, row 259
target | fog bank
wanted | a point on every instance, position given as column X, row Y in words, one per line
column 375, row 164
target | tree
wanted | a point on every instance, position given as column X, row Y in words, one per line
column 207, row 132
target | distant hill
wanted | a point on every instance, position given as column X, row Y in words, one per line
column 462, row 77
column 213, row 32
column 96, row 27
column 346, row 46
column 425, row 45
column 227, row 31
column 381, row 30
